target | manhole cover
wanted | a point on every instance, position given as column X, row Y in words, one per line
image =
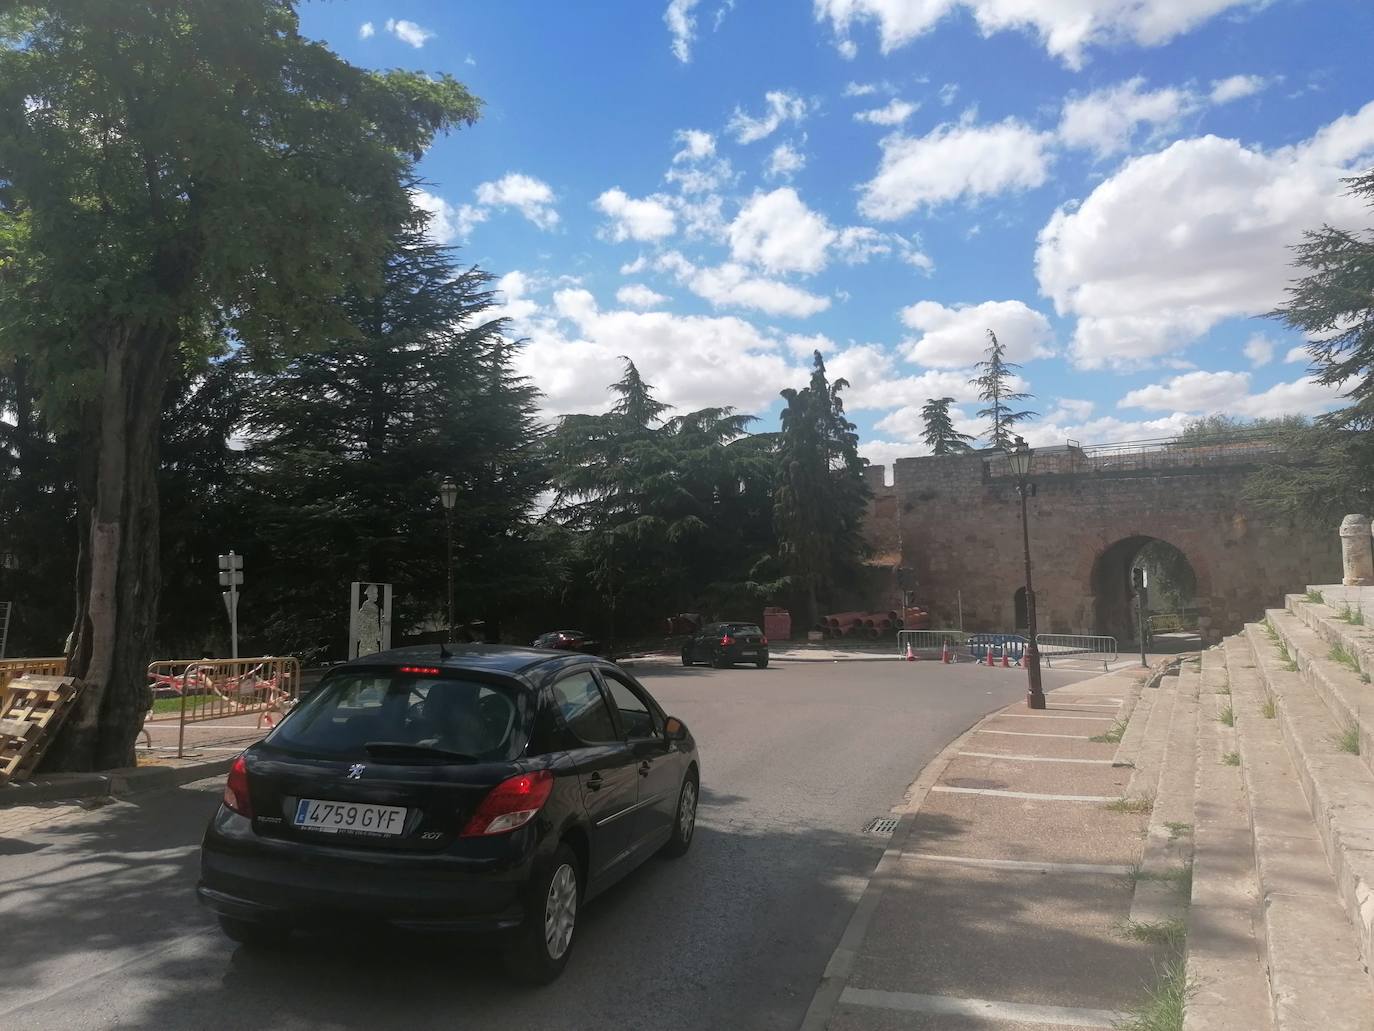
column 883, row 826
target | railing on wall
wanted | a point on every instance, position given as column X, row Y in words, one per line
column 1159, row 453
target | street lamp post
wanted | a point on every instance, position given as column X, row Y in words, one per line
column 1020, row 460
column 448, row 496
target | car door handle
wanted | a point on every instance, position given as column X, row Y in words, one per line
column 594, row 782
column 644, row 768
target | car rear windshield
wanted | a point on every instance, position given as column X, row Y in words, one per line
column 743, row 628
column 448, row 717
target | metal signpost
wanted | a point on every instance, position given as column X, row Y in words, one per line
column 1138, row 582
column 231, row 576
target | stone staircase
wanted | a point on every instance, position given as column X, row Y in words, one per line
column 1283, row 875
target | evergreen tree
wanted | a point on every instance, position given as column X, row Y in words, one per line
column 1329, row 469
column 349, row 443
column 994, row 372
column 821, row 496
column 940, row 433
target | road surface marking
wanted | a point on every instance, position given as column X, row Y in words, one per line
column 1027, row 1013
column 1021, row 864
column 1031, row 733
column 999, row 793
column 1028, row 716
column 1036, row 758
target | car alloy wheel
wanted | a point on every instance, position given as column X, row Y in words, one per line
column 560, row 911
column 687, row 812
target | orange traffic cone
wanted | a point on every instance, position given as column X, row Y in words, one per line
column 944, row 653
column 910, row 653
column 1005, row 663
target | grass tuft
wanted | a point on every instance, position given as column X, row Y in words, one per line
column 1316, row 597
column 1231, row 759
column 1270, row 708
column 1172, row 933
column 1339, row 653
column 1132, row 805
column 1112, row 736
column 1355, row 616
column 1348, row 740
column 1177, row 829
column 1227, row 716
column 1164, row 1004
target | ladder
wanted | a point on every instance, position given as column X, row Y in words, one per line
column 5, row 608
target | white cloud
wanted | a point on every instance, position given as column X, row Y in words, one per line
column 1069, row 409
column 848, row 49
column 732, row 285
column 859, row 89
column 532, row 197
column 696, row 145
column 637, row 295
column 1066, row 28
column 682, row 26
column 1105, row 121
column 448, row 223
column 957, row 337
column 366, row 30
column 895, row 112
column 948, row 92
column 574, row 350
column 781, row 107
column 1297, row 354
column 1102, row 430
column 1201, row 393
column 954, row 161
column 1236, row 87
column 785, row 162
column 408, row 32
column 1259, row 349
column 779, row 232
column 1177, row 241
column 514, row 289
column 637, row 218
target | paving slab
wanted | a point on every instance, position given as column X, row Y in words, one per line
column 994, row 827
column 1018, row 743
column 852, row 1017
column 1044, row 939
column 1049, row 778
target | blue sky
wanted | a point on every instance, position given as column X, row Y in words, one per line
column 717, row 187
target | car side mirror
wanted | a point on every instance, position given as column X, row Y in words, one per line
column 674, row 729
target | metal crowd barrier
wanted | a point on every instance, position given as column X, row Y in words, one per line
column 1060, row 646
column 929, row 640
column 13, row 668
column 980, row 646
column 212, row 689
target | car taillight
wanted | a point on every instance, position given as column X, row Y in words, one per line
column 763, row 640
column 236, row 789
column 511, row 804
column 421, row 671
column 726, row 641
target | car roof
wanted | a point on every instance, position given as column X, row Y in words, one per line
column 488, row 658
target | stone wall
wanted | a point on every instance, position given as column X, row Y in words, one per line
column 956, row 525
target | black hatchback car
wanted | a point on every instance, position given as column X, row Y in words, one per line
column 724, row 644
column 489, row 790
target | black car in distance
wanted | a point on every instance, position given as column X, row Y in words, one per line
column 724, row 644
column 485, row 791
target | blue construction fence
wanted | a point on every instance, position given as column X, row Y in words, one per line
column 1014, row 646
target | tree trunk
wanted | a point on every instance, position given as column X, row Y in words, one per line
column 117, row 575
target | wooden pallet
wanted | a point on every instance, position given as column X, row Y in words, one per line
column 31, row 712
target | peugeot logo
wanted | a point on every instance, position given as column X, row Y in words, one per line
column 355, row 772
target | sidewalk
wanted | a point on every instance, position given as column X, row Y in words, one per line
column 1004, row 899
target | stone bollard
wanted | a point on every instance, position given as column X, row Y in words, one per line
column 1357, row 552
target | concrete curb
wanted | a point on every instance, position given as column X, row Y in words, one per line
column 59, row 787
column 1348, row 698
column 836, row 976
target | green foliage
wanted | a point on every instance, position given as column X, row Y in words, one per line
column 1227, row 716
column 1270, row 708
column 821, row 495
column 1221, row 429
column 1329, row 469
column 1230, row 759
column 1131, row 805
column 1355, row 616
column 1170, row 933
column 1340, row 653
column 1348, row 740
column 1112, row 736
column 994, row 387
column 1315, row 597
column 939, row 433
column 1166, row 1001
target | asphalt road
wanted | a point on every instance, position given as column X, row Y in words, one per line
column 100, row 929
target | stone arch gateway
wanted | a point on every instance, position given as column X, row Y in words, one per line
column 954, row 520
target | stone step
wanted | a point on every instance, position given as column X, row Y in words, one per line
column 1353, row 596
column 1149, row 758
column 1168, row 838
column 1231, row 992
column 1325, row 621
column 1337, row 786
column 1347, row 696
column 1129, row 746
column 1311, row 952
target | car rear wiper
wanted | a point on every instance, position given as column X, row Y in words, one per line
column 405, row 750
